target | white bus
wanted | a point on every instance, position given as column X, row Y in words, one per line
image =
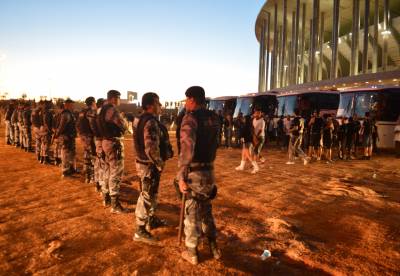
column 225, row 104
column 266, row 101
column 383, row 104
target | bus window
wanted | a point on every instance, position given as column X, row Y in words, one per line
column 328, row 101
column 388, row 105
column 366, row 102
column 281, row 106
column 290, row 105
column 267, row 104
column 346, row 105
column 216, row 105
column 243, row 106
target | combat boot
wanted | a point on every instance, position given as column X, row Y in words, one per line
column 41, row 160
column 190, row 255
column 142, row 235
column 38, row 157
column 214, row 249
column 154, row 223
column 47, row 161
column 116, row 207
column 106, row 200
column 97, row 187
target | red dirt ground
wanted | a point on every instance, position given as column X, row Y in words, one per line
column 320, row 219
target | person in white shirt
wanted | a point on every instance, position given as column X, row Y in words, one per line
column 259, row 134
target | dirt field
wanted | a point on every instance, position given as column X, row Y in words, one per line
column 320, row 219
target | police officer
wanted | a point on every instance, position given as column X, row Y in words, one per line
column 87, row 138
column 152, row 150
column 57, row 145
column 112, row 128
column 9, row 126
column 199, row 141
column 20, row 123
column 14, row 123
column 46, row 133
column 66, row 133
column 37, row 122
column 27, row 127
column 98, row 164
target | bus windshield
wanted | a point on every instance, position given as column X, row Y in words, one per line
column 382, row 105
column 243, row 106
column 346, row 105
column 216, row 105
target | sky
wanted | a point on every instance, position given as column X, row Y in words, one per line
column 81, row 48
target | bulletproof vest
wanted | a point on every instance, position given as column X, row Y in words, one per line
column 36, row 118
column 139, row 136
column 166, row 150
column 56, row 120
column 208, row 127
column 14, row 116
column 107, row 129
column 69, row 129
column 92, row 118
column 20, row 116
column 82, row 124
column 9, row 113
column 26, row 116
column 47, row 119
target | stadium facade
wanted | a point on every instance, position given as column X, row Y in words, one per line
column 321, row 43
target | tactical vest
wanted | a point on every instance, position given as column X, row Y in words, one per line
column 208, row 127
column 166, row 151
column 36, row 118
column 27, row 117
column 9, row 113
column 56, row 120
column 82, row 124
column 69, row 129
column 107, row 130
column 92, row 118
column 47, row 119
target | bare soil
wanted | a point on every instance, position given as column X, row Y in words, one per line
column 317, row 219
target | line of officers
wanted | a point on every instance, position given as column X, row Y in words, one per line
column 101, row 129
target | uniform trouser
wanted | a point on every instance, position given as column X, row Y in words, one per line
column 45, row 140
column 38, row 140
column 198, row 220
column 88, row 156
column 27, row 136
column 16, row 134
column 21, row 133
column 295, row 148
column 9, row 132
column 67, row 153
column 228, row 137
column 57, row 148
column 99, row 163
column 147, row 201
column 114, row 165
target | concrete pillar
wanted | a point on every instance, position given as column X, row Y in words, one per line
column 261, row 72
column 314, row 40
column 310, row 55
column 284, row 38
column 321, row 47
column 296, row 45
column 302, row 43
column 335, row 39
column 385, row 34
column 354, row 38
column 275, row 49
column 292, row 57
column 365, row 42
column 376, row 38
column 267, row 62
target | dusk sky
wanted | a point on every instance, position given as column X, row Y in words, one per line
column 80, row 48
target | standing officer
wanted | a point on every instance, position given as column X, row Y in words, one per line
column 87, row 138
column 98, row 164
column 152, row 150
column 66, row 133
column 9, row 127
column 27, row 127
column 37, row 122
column 199, row 141
column 112, row 128
column 57, row 142
column 14, row 123
column 46, row 132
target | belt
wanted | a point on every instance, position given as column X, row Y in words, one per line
column 146, row 163
column 195, row 167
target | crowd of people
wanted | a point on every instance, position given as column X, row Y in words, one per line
column 317, row 138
